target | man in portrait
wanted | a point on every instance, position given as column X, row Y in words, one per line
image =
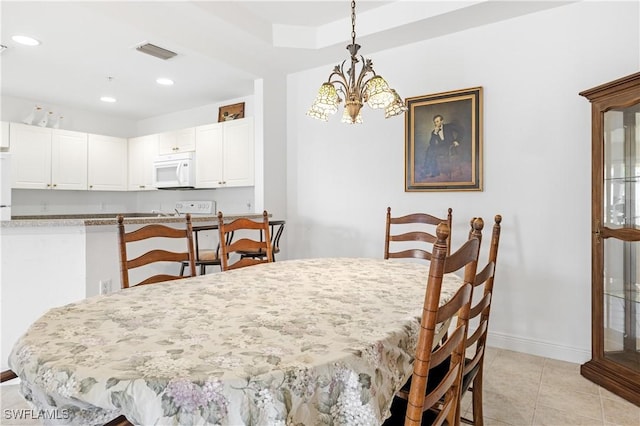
column 443, row 143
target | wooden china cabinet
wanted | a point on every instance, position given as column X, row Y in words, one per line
column 615, row 300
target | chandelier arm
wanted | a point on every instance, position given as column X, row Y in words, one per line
column 341, row 83
column 363, row 73
column 339, row 72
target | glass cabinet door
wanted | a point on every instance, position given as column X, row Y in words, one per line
column 615, row 237
column 621, row 233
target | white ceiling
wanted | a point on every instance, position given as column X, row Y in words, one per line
column 222, row 46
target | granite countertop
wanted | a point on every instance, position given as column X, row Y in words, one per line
column 109, row 219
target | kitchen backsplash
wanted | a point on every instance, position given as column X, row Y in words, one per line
column 28, row 202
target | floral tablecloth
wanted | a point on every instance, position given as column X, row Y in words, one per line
column 297, row 342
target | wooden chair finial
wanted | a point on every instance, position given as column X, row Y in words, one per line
column 477, row 224
column 442, row 231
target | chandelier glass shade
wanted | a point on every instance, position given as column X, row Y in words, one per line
column 368, row 87
column 396, row 107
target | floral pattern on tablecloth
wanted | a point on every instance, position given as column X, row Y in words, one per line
column 297, row 342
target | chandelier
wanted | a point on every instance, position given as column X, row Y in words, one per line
column 367, row 87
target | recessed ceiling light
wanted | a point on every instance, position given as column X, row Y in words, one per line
column 26, row 40
column 108, row 99
column 165, row 81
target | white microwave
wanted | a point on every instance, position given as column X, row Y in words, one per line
column 174, row 171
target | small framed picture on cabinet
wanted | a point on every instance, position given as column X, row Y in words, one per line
column 231, row 112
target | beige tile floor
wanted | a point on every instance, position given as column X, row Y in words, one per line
column 522, row 389
column 519, row 389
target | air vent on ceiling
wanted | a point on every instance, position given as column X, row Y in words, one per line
column 157, row 51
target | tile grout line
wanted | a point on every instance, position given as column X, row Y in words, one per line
column 535, row 405
column 601, row 405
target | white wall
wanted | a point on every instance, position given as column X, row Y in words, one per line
column 205, row 114
column 16, row 109
column 537, row 153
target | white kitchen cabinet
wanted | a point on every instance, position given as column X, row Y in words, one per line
column 177, row 141
column 107, row 158
column 225, row 154
column 68, row 159
column 209, row 156
column 31, row 156
column 4, row 135
column 45, row 158
column 142, row 152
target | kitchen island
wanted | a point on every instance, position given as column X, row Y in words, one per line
column 50, row 261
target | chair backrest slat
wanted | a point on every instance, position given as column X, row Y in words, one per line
column 158, row 233
column 244, row 244
column 421, row 224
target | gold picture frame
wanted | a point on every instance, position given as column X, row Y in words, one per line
column 231, row 112
column 443, row 141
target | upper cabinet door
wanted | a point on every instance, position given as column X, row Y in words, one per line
column 107, row 163
column 209, row 156
column 142, row 151
column 238, row 152
column 30, row 156
column 177, row 141
column 225, row 154
column 4, row 134
column 68, row 160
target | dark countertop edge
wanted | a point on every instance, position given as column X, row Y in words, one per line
column 88, row 221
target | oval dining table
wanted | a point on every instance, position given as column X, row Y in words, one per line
column 295, row 342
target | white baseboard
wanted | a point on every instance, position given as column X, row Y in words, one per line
column 538, row 348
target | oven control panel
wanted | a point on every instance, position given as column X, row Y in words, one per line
column 196, row 207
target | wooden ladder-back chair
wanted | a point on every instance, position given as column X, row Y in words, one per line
column 276, row 227
column 147, row 233
column 244, row 244
column 479, row 314
column 204, row 256
column 414, row 403
column 418, row 234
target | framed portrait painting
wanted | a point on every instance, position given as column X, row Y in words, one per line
column 443, row 141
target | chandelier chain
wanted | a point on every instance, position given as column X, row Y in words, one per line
column 353, row 22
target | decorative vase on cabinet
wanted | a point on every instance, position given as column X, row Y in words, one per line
column 615, row 250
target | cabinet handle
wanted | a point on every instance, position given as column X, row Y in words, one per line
column 90, row 186
column 48, row 185
column 141, row 186
column 55, row 184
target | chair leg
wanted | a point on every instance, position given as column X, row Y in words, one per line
column 7, row 375
column 182, row 270
column 119, row 421
column 477, row 399
column 203, row 269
